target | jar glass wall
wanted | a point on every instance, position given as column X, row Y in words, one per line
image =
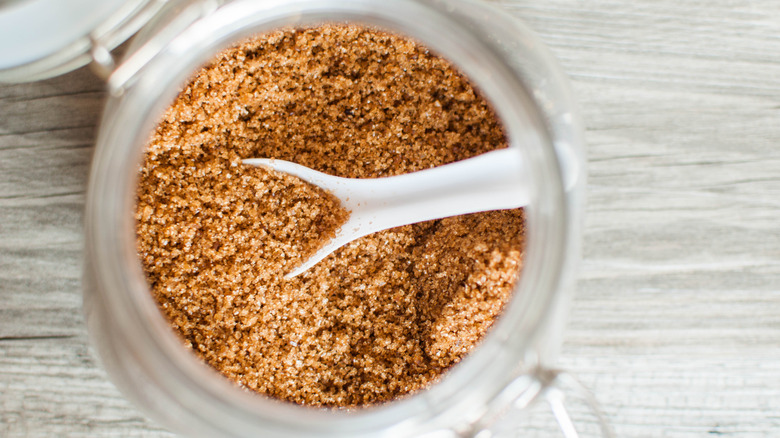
column 510, row 67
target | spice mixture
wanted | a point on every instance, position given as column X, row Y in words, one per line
column 383, row 316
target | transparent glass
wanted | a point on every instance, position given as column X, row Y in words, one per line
column 517, row 75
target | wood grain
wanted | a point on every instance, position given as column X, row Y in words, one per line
column 676, row 325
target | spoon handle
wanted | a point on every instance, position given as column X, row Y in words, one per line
column 491, row 181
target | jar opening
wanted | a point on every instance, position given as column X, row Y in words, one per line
column 130, row 119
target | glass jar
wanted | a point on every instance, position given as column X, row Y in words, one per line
column 510, row 367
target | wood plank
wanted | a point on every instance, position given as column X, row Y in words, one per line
column 53, row 387
column 50, row 384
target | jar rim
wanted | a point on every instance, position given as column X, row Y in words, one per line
column 111, row 240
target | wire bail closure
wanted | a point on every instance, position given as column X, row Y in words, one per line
column 549, row 385
column 103, row 63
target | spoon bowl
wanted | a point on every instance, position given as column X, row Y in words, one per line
column 491, row 181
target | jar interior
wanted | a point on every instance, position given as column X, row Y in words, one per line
column 464, row 390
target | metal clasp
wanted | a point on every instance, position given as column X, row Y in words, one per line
column 549, row 385
column 115, row 30
column 120, row 78
column 103, row 63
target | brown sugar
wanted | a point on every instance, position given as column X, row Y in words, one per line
column 383, row 316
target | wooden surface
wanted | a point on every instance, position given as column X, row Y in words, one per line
column 676, row 324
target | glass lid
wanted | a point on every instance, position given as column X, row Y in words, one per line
column 45, row 38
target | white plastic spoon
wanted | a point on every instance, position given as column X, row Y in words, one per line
column 491, row 181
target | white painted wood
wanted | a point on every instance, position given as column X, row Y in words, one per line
column 676, row 324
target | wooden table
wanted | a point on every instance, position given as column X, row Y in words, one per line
column 676, row 325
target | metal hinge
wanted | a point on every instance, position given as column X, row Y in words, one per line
column 119, row 77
